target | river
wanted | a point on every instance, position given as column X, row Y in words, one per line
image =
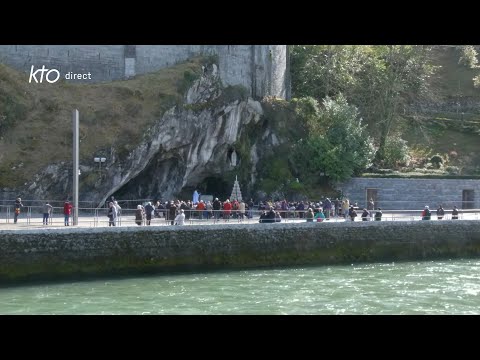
column 438, row 287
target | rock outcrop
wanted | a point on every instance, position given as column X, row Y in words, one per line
column 188, row 143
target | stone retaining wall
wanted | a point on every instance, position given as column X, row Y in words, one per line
column 65, row 253
column 413, row 194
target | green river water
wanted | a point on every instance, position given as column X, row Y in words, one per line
column 439, row 287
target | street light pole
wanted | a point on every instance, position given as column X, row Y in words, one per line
column 75, row 166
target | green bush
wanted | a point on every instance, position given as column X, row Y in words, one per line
column 337, row 145
column 396, row 152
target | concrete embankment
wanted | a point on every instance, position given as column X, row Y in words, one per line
column 71, row 252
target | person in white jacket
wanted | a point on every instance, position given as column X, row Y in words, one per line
column 180, row 219
column 112, row 214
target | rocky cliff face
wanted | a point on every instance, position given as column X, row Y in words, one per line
column 189, row 143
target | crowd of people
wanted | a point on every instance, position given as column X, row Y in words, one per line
column 427, row 214
column 176, row 212
column 269, row 211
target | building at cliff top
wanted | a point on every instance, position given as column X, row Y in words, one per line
column 262, row 69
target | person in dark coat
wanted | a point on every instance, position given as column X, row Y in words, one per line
column 172, row 212
column 263, row 217
column 17, row 209
column 440, row 212
column 455, row 213
column 271, row 215
column 149, row 211
column 217, row 205
column 378, row 215
column 365, row 215
column 352, row 213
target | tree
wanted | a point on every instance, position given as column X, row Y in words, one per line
column 468, row 56
column 337, row 143
column 395, row 75
column 396, row 152
column 378, row 79
column 325, row 70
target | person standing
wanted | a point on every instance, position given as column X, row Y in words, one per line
column 365, row 215
column 352, row 213
column 67, row 211
column 112, row 214
column 201, row 209
column 250, row 208
column 327, row 209
column 209, row 208
column 217, row 205
column 17, row 209
column 319, row 216
column 455, row 213
column 241, row 207
column 47, row 212
column 119, row 210
column 338, row 206
column 172, row 212
column 371, row 207
column 227, row 210
column 180, row 218
column 378, row 215
column 139, row 215
column 149, row 210
column 309, row 215
column 345, row 208
column 440, row 212
column 426, row 214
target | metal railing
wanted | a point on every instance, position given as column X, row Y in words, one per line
column 32, row 216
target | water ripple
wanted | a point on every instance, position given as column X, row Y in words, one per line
column 449, row 287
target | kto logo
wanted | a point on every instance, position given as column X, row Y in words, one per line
column 51, row 78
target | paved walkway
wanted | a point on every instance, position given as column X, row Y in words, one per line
column 91, row 221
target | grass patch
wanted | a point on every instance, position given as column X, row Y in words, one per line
column 36, row 119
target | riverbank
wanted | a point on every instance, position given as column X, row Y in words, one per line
column 52, row 254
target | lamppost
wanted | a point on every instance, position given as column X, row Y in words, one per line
column 76, row 170
column 99, row 160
